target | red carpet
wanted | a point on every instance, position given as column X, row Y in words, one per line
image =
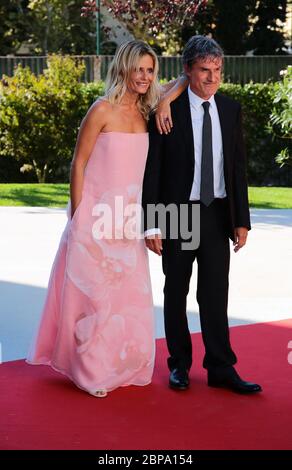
column 40, row 409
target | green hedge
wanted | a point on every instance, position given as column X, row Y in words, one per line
column 262, row 147
column 40, row 117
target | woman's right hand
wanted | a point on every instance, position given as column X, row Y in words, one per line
column 170, row 91
column 163, row 116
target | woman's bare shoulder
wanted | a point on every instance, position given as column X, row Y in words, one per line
column 101, row 106
column 99, row 112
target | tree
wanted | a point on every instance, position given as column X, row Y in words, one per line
column 267, row 37
column 233, row 24
column 225, row 23
column 12, row 25
column 174, row 42
column 47, row 25
column 147, row 19
column 56, row 26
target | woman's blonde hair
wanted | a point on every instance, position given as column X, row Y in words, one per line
column 124, row 63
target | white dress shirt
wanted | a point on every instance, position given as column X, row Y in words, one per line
column 197, row 115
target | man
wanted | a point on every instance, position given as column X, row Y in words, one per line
column 201, row 161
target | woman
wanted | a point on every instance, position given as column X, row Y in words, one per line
column 97, row 325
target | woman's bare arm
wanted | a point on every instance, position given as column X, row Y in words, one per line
column 170, row 91
column 174, row 88
column 91, row 126
column 165, row 87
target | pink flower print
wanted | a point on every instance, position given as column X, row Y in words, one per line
column 97, row 269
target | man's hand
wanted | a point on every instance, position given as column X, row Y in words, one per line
column 154, row 243
column 240, row 236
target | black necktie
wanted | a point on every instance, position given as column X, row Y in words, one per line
column 207, row 177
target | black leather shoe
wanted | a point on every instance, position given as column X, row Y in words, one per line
column 232, row 381
column 179, row 379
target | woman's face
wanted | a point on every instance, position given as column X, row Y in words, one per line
column 141, row 78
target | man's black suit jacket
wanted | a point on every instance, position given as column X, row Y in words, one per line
column 169, row 170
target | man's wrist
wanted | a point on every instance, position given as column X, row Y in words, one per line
column 152, row 231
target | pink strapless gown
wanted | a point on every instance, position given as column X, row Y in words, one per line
column 97, row 325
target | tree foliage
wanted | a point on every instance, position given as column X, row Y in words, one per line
column 267, row 37
column 50, row 26
column 13, row 25
column 232, row 25
column 146, row 19
column 46, row 26
column 56, row 26
column 281, row 117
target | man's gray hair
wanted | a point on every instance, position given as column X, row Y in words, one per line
column 201, row 47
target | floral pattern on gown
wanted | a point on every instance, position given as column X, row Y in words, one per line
column 97, row 325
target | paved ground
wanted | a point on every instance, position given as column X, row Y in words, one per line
column 260, row 277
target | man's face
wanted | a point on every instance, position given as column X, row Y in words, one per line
column 205, row 76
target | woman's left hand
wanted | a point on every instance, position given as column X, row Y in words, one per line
column 163, row 116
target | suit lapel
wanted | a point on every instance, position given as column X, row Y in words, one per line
column 224, row 124
column 185, row 123
column 224, row 118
